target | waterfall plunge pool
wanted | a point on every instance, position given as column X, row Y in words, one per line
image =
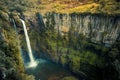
column 46, row 70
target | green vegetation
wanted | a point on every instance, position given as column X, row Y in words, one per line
column 109, row 7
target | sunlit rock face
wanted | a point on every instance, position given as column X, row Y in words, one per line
column 98, row 28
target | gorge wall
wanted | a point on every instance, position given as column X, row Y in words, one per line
column 58, row 37
column 98, row 28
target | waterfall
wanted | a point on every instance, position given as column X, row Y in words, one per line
column 32, row 61
column 15, row 26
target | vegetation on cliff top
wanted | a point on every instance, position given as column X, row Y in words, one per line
column 81, row 6
column 110, row 7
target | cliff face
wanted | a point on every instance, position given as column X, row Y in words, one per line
column 98, row 28
column 73, row 49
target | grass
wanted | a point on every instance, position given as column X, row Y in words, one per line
column 73, row 6
column 65, row 6
column 62, row 6
column 84, row 8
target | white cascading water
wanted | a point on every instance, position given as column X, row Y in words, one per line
column 32, row 61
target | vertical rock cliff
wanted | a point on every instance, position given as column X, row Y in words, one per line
column 98, row 28
column 69, row 39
